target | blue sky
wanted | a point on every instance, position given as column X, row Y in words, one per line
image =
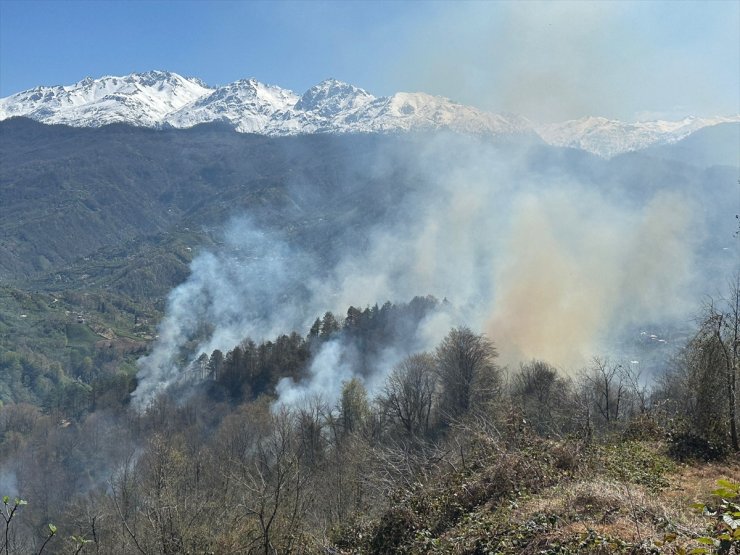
column 546, row 60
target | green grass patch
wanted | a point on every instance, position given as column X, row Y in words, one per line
column 80, row 335
column 634, row 462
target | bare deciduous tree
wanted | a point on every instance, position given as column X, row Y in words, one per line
column 720, row 328
column 541, row 394
column 604, row 386
column 409, row 393
column 275, row 486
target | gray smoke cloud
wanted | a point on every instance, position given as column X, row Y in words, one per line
column 8, row 482
column 548, row 264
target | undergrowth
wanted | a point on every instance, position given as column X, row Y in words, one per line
column 535, row 496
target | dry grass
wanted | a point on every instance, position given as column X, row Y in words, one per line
column 624, row 498
column 692, row 483
column 629, row 512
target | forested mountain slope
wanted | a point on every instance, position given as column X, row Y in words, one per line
column 67, row 192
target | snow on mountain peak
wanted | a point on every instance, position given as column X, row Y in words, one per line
column 411, row 111
column 157, row 98
column 161, row 98
column 330, row 97
column 138, row 98
column 246, row 104
column 608, row 138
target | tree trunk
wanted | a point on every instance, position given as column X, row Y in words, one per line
column 731, row 377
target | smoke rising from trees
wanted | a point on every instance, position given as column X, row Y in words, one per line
column 549, row 264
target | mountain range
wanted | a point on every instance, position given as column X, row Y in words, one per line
column 160, row 99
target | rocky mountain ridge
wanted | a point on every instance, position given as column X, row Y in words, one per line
column 160, row 99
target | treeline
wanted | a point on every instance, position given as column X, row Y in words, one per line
column 250, row 369
column 229, row 470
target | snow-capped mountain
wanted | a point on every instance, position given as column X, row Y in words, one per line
column 331, row 98
column 248, row 105
column 158, row 99
column 608, row 138
column 161, row 99
column 140, row 99
column 413, row 111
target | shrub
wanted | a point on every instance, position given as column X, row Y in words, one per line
column 687, row 445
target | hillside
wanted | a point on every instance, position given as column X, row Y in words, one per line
column 713, row 146
column 118, row 213
column 248, row 316
column 67, row 192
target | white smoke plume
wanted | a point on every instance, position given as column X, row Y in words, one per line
column 548, row 264
column 243, row 289
column 331, row 366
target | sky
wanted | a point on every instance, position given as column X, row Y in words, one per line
column 548, row 61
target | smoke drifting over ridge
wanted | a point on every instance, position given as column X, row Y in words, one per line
column 548, row 264
column 553, row 61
